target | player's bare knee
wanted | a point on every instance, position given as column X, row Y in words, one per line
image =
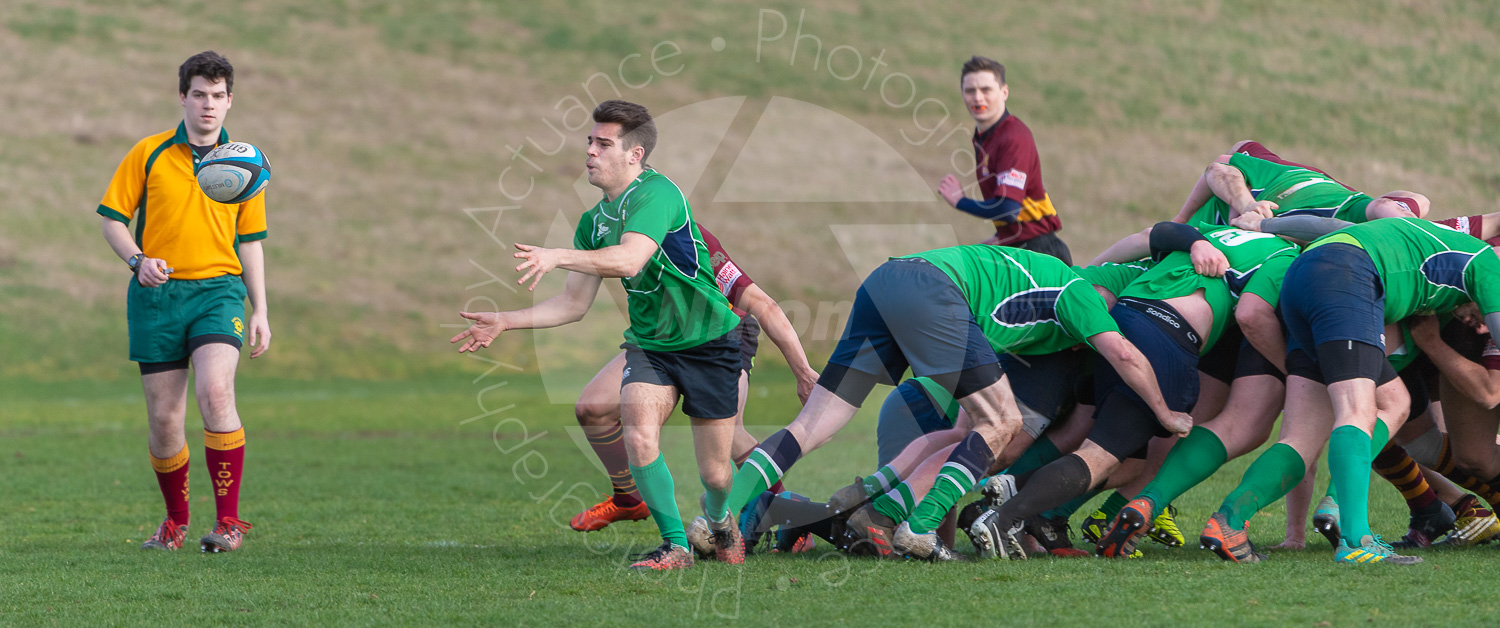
column 596, row 414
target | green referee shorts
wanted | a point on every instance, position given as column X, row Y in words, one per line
column 165, row 320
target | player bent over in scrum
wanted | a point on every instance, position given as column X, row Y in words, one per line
column 1178, row 310
column 1335, row 314
column 944, row 314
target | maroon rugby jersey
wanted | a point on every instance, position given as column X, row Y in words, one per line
column 1009, row 166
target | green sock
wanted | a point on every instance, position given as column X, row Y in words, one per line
column 951, row 485
column 1066, row 510
column 1332, row 492
column 1269, row 478
column 1191, row 461
column 1349, row 465
column 881, row 482
column 1113, row 505
column 655, row 484
column 754, row 477
column 715, row 502
column 1379, row 437
column 896, row 503
column 1035, row 457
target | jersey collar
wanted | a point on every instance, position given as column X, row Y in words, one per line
column 181, row 137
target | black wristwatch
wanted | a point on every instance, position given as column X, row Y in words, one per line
column 135, row 262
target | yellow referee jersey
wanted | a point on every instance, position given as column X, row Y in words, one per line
column 174, row 220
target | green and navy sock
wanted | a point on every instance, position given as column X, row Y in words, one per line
column 896, row 503
column 767, row 464
column 969, row 460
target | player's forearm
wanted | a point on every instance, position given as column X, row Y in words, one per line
column 1201, row 194
column 553, row 312
column 565, row 308
column 253, row 264
column 1130, row 248
column 1470, row 378
column 778, row 328
column 1302, row 228
column 1228, row 183
column 610, row 262
column 117, row 234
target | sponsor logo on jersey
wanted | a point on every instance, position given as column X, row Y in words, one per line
column 602, row 231
column 1014, row 178
column 727, row 275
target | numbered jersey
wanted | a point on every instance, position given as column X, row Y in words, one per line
column 1426, row 268
column 1026, row 303
column 1257, row 264
column 1296, row 190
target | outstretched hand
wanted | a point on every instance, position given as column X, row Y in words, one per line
column 486, row 327
column 539, row 261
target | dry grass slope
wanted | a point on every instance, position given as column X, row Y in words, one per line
column 384, row 122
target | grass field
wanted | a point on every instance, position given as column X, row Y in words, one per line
column 378, row 504
column 411, row 143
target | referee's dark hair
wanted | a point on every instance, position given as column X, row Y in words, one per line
column 977, row 63
column 636, row 126
column 207, row 64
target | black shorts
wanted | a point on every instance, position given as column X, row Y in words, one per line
column 749, row 333
column 908, row 314
column 1045, row 384
column 706, row 376
column 1420, row 379
column 1123, row 423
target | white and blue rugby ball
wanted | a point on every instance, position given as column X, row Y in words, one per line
column 234, row 173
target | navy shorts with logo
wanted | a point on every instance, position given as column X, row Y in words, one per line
column 707, row 376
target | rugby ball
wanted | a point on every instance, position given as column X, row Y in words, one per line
column 234, row 173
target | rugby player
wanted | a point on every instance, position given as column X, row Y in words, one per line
column 1178, row 309
column 598, row 407
column 681, row 342
column 945, row 314
column 195, row 261
column 1007, row 166
column 1335, row 316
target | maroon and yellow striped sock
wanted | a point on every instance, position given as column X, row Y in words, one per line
column 172, row 477
column 1398, row 468
column 226, row 463
column 1484, row 490
column 609, row 444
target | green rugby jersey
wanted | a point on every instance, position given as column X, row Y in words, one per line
column 1112, row 276
column 1026, row 303
column 1257, row 264
column 1296, row 191
column 674, row 302
column 1426, row 268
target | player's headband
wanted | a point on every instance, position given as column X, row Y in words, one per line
column 1405, row 201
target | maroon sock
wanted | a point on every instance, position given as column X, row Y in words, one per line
column 609, row 445
column 226, row 463
column 172, row 478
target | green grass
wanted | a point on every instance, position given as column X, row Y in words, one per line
column 375, row 503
